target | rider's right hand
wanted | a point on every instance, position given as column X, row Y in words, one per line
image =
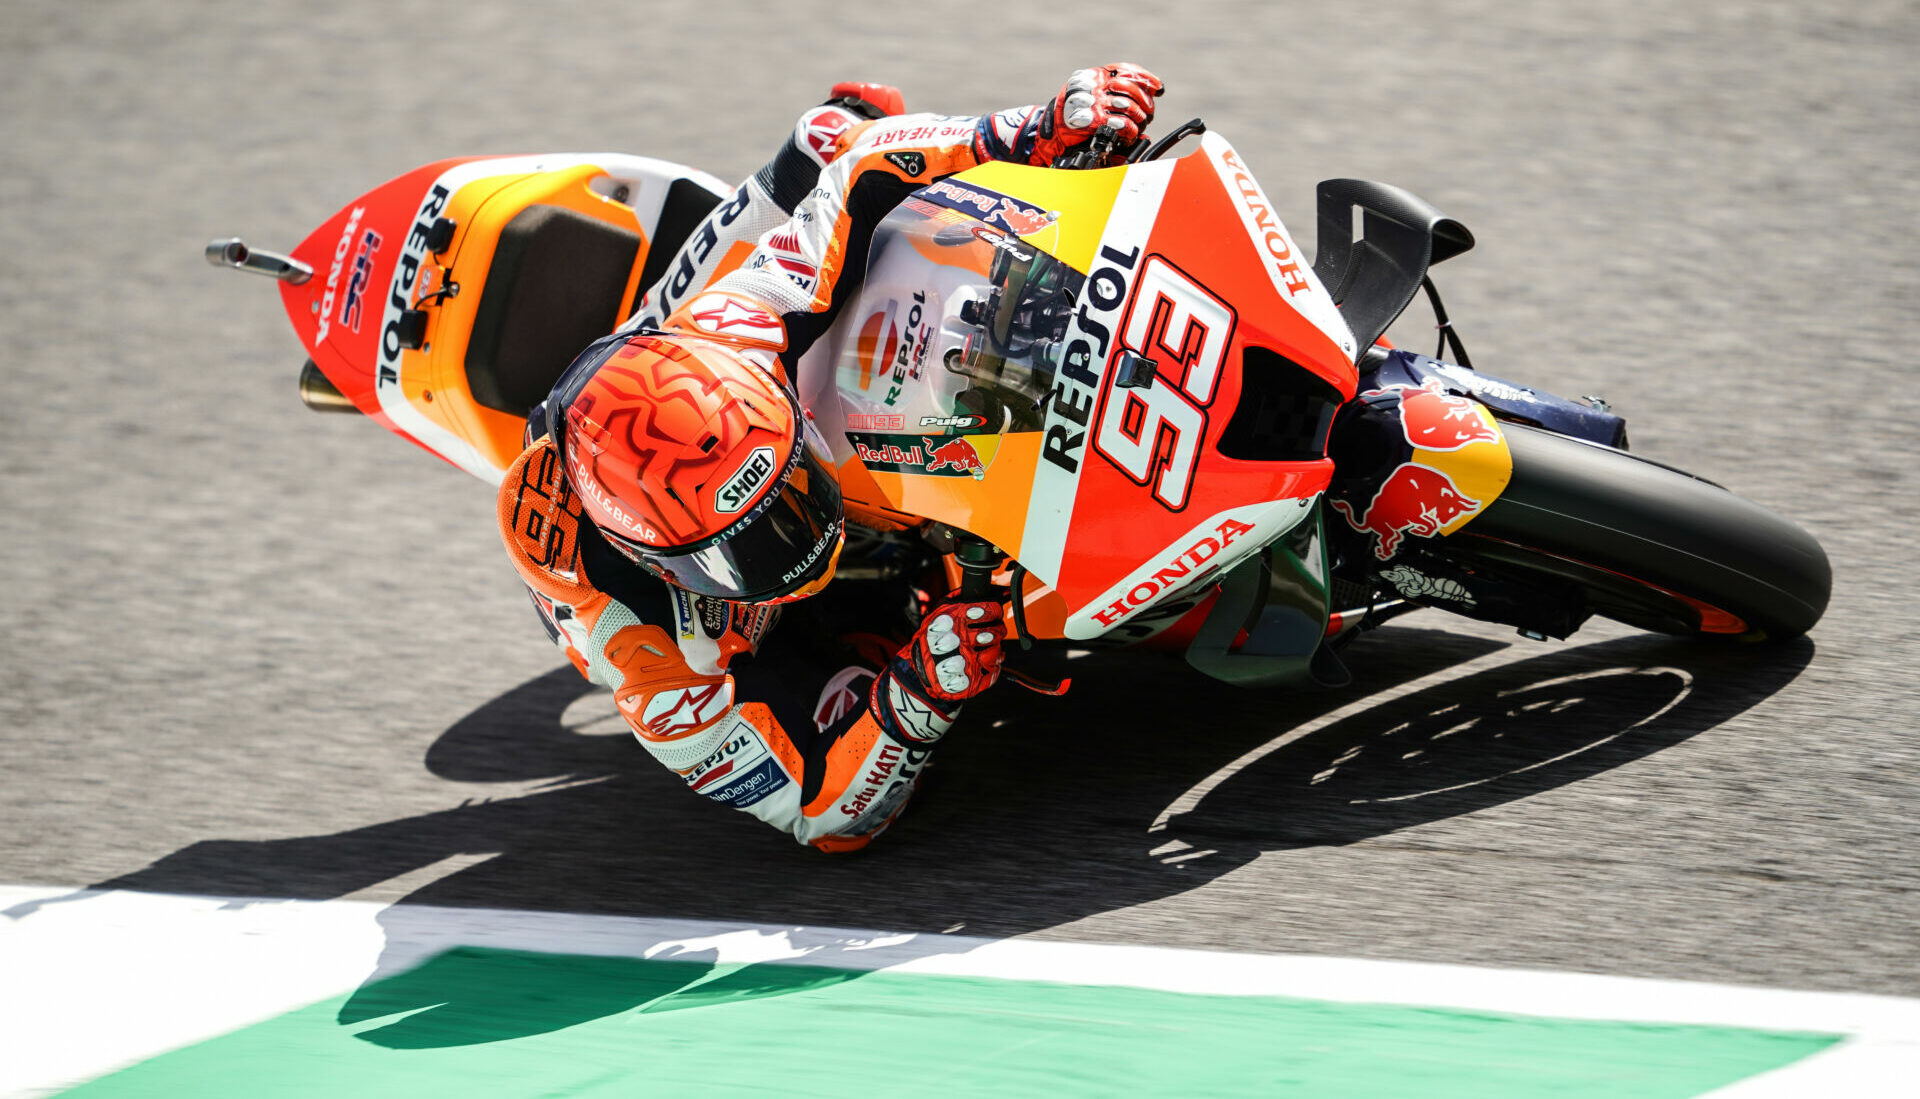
column 954, row 656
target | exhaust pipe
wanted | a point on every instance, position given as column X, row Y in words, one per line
column 321, row 395
column 233, row 252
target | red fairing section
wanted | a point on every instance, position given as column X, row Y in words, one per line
column 1154, row 485
column 337, row 313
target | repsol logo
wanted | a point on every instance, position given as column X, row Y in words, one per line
column 746, row 481
column 1085, row 359
column 405, row 274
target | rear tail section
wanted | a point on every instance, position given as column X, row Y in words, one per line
column 445, row 302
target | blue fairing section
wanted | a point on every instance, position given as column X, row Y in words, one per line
column 1508, row 400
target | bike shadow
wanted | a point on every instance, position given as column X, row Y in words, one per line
column 1475, row 742
column 1144, row 782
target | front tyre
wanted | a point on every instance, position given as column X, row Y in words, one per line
column 1646, row 545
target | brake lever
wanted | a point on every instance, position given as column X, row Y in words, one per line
column 1035, row 684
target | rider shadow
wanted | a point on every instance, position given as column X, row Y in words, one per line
column 1040, row 812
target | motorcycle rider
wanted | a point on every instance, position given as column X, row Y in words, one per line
column 677, row 449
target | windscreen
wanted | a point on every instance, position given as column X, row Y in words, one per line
column 966, row 320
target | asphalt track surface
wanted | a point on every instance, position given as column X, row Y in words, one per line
column 250, row 650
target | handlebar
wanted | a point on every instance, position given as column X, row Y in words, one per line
column 977, row 558
column 1092, row 154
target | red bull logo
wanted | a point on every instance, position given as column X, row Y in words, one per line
column 989, row 206
column 959, row 455
column 1434, row 419
column 963, row 456
column 1413, row 500
column 1020, row 219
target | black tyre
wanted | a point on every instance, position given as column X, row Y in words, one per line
column 1648, row 545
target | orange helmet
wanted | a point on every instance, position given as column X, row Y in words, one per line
column 697, row 464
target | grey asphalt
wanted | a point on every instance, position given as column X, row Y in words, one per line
column 247, row 649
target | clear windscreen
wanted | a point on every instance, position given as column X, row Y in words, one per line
column 963, row 320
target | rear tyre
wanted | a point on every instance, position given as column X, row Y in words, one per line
column 1647, row 545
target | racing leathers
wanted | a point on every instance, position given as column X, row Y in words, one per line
column 769, row 267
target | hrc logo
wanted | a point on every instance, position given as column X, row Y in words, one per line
column 357, row 281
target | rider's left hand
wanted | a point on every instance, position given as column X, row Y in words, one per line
column 1117, row 97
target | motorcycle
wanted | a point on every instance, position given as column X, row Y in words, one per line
column 1120, row 399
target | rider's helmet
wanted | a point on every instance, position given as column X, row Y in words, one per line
column 700, row 466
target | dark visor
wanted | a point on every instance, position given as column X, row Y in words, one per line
column 782, row 545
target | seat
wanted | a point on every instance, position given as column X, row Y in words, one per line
column 557, row 283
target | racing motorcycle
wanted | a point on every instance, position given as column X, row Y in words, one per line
column 1121, row 398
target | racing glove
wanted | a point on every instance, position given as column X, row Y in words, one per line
column 1117, row 97
column 954, row 656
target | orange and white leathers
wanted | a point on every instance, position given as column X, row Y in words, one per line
column 788, row 234
column 834, row 785
column 839, row 784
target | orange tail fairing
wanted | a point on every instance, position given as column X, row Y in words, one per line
column 427, row 321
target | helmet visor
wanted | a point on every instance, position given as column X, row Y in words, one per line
column 782, row 545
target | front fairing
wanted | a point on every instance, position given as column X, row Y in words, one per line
column 1114, row 417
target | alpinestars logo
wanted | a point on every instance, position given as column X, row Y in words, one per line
column 724, row 314
column 676, row 713
column 746, row 481
column 910, row 163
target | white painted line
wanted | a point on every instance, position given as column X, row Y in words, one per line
column 98, row 981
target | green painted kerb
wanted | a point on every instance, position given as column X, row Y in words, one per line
column 478, row 1023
